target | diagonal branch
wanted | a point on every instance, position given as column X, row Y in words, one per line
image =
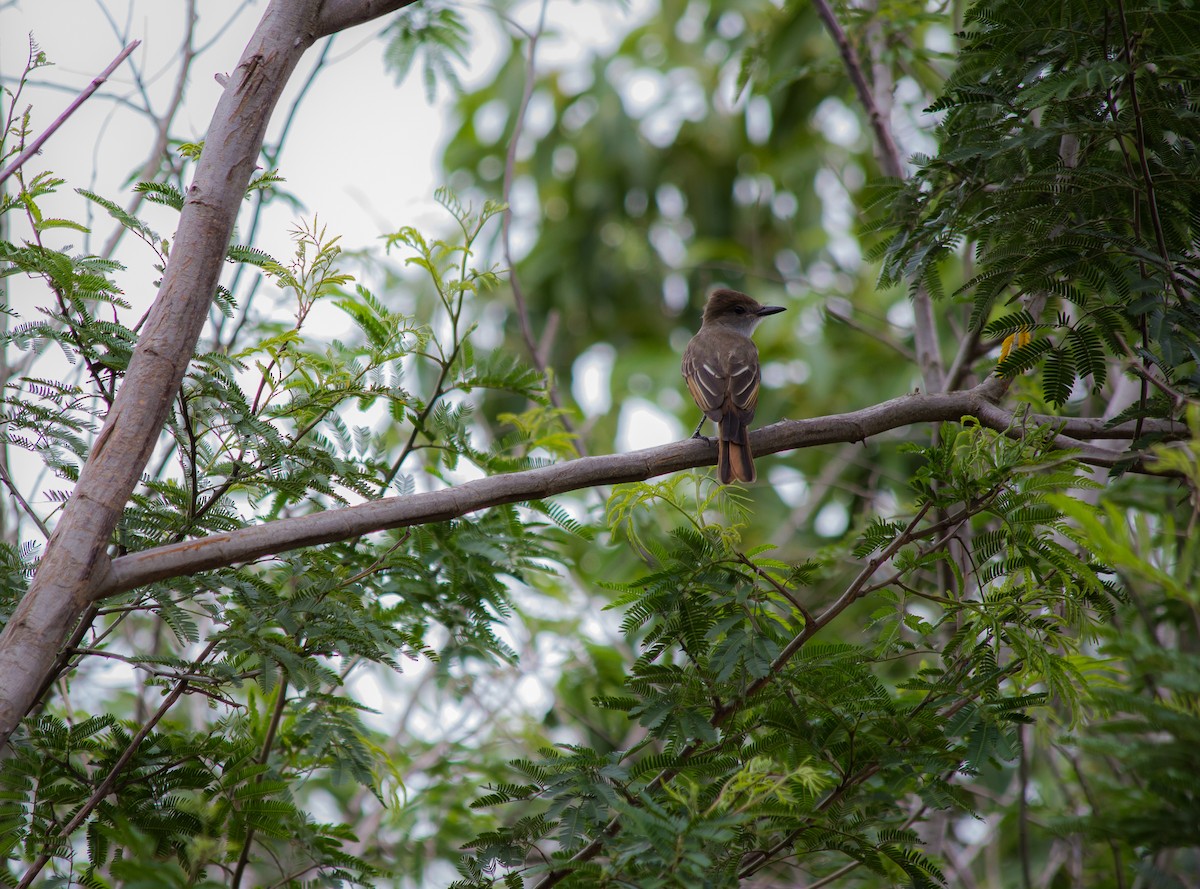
column 100, row 794
column 36, row 145
column 338, row 15
column 1143, row 163
column 887, row 152
column 723, row 712
column 162, row 127
column 925, row 331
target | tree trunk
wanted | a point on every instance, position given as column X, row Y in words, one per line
column 76, row 563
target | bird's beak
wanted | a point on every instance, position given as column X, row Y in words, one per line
column 771, row 310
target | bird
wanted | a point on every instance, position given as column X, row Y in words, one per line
column 720, row 366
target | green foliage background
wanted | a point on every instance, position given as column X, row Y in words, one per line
column 984, row 674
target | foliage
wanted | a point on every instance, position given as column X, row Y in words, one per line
column 1067, row 161
column 262, row 428
column 765, row 736
column 731, row 691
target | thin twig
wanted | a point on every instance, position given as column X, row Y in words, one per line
column 97, row 81
column 24, row 504
column 1023, row 809
column 1096, row 806
column 925, row 331
column 888, row 154
column 162, row 136
column 879, row 336
column 510, row 162
column 779, row 587
column 828, row 879
column 263, row 756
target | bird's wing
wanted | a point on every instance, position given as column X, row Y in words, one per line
column 744, row 377
column 706, row 381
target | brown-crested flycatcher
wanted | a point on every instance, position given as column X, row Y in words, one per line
column 720, row 365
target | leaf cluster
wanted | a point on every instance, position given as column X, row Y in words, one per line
column 1067, row 166
column 274, row 422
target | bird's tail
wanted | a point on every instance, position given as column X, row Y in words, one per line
column 734, row 459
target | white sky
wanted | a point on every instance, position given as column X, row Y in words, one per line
column 354, row 121
column 362, row 152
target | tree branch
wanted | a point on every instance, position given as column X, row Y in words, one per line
column 925, row 331
column 338, row 15
column 927, row 353
column 106, row 786
column 1143, row 164
column 257, row 541
column 162, row 128
column 887, row 153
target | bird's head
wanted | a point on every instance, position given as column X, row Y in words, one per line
column 731, row 308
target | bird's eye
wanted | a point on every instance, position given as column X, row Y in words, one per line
column 741, row 310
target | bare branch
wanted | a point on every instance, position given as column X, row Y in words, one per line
column 22, row 502
column 888, row 154
column 1097, row 427
column 843, row 312
column 36, row 145
column 162, row 128
column 338, row 15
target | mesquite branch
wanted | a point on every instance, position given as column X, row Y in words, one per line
column 246, row 544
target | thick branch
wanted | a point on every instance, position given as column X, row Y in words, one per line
column 338, row 15
column 246, row 544
column 75, row 561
